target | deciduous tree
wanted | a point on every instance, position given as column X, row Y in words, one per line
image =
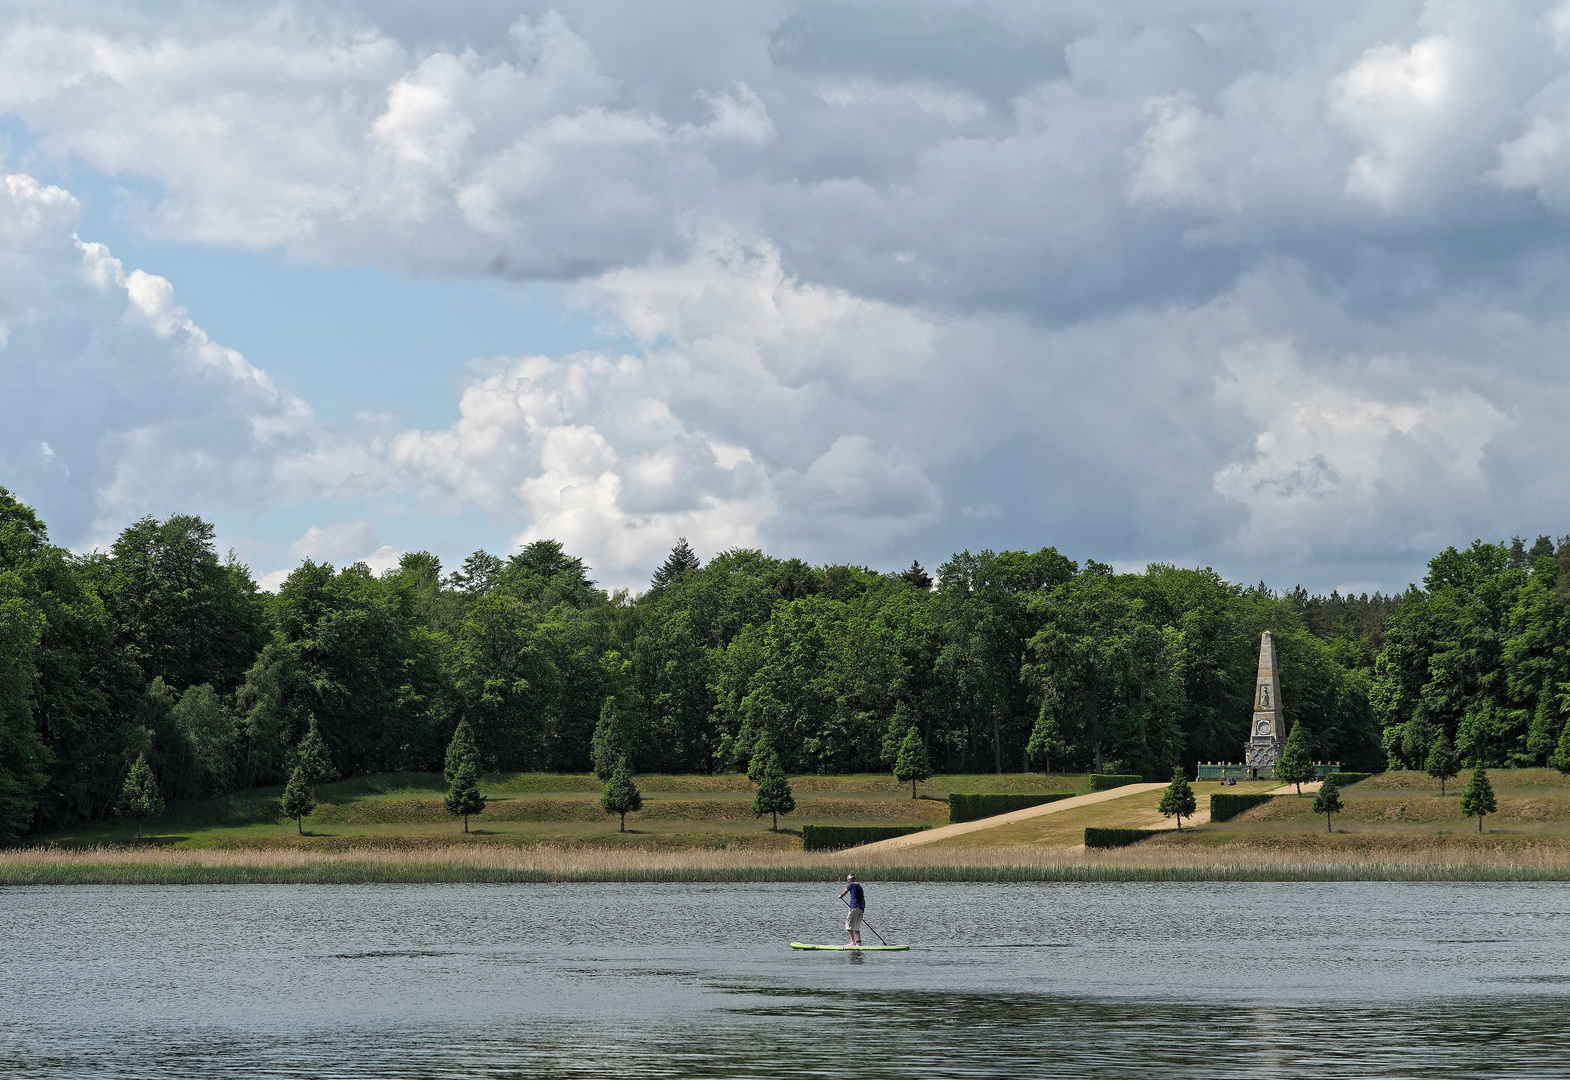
column 1442, row 763
column 140, row 799
column 912, row 763
column 1328, row 800
column 1296, row 765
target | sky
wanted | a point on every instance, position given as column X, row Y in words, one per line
column 1276, row 288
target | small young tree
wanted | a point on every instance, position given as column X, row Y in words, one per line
column 912, row 763
column 621, row 795
column 1296, row 765
column 1560, row 758
column 1442, row 763
column 1178, row 799
column 140, row 798
column 298, row 798
column 774, row 795
column 1328, row 801
column 464, row 797
column 1478, row 798
column 314, row 758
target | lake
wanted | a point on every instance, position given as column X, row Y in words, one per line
column 640, row 980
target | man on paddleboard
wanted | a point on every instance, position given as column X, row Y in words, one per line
column 858, row 907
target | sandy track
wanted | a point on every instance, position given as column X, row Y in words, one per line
column 946, row 831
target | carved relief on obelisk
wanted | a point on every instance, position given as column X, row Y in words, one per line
column 1268, row 732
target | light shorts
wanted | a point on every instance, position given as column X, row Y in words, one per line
column 853, row 918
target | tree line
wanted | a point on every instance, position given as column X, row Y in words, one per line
column 159, row 649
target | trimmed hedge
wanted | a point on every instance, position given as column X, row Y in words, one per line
column 1345, row 779
column 834, row 837
column 1105, row 838
column 1108, row 781
column 974, row 805
column 1228, row 806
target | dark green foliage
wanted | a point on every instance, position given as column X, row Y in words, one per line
column 973, row 806
column 1297, row 763
column 1108, row 781
column 1478, row 798
column 916, row 576
column 1346, row 779
column 835, row 837
column 621, row 795
column 774, row 796
column 1442, row 763
column 617, row 736
column 317, row 763
column 463, row 798
column 1178, row 800
column 140, row 799
column 1560, row 758
column 24, row 759
column 461, row 751
column 912, row 763
column 681, row 560
column 1225, row 806
column 1542, row 737
column 1112, row 838
column 1327, row 801
column 299, row 798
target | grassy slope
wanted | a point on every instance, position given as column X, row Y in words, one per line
column 404, row 810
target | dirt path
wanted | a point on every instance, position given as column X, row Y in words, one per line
column 1291, row 789
column 946, row 831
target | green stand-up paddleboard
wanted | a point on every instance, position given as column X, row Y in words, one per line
column 851, row 948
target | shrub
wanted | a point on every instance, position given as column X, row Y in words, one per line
column 1109, row 838
column 833, row 837
column 1346, row 779
column 1227, row 807
column 1108, row 781
column 974, row 805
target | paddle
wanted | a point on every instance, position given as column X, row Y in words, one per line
column 864, row 922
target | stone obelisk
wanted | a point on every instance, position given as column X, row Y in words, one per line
column 1268, row 733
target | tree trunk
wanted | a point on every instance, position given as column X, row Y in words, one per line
column 776, row 826
column 1327, row 824
column 624, row 821
column 912, row 787
column 138, row 828
column 1479, row 824
column 466, row 823
column 299, row 823
column 997, row 745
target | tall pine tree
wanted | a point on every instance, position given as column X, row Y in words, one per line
column 463, row 797
column 678, row 562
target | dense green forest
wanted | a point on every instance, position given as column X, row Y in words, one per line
column 1001, row 661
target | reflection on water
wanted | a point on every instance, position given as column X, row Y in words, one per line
column 1090, row 980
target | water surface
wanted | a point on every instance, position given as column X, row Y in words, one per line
column 1072, row 980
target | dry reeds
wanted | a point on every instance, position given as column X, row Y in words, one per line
column 550, row 863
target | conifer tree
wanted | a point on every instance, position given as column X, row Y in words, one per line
column 915, row 574
column 1543, row 733
column 1478, row 798
column 774, row 795
column 621, row 795
column 912, row 763
column 1442, row 763
column 314, row 758
column 1296, row 765
column 298, row 798
column 140, row 798
column 1560, row 758
column 608, row 745
column 460, row 751
column 464, row 797
column 678, row 562
column 1178, row 799
column 762, row 752
column 1328, row 801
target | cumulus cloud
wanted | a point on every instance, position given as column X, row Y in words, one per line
column 1264, row 285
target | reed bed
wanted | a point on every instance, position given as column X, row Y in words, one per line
column 549, row 863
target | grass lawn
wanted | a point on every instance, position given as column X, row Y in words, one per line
column 405, row 809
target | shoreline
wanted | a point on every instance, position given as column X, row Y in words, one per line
column 544, row 864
